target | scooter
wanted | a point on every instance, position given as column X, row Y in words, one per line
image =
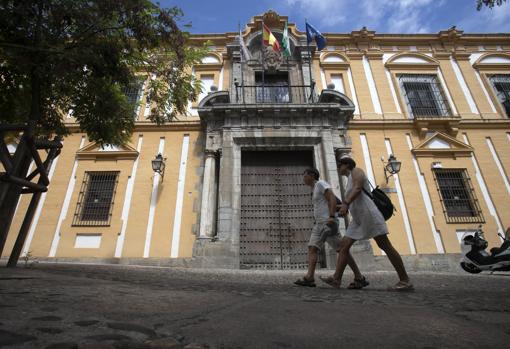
column 474, row 257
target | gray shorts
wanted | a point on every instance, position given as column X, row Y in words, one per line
column 322, row 233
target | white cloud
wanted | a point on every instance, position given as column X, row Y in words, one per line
column 396, row 16
column 496, row 20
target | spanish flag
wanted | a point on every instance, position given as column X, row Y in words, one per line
column 269, row 39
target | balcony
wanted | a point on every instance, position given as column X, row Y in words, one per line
column 273, row 94
column 276, row 106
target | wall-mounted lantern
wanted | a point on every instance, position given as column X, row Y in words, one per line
column 391, row 167
column 158, row 164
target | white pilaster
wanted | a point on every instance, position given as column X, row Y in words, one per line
column 485, row 191
column 65, row 206
column 371, row 86
column 154, row 200
column 426, row 200
column 498, row 163
column 353, row 91
column 127, row 202
column 463, row 85
column 176, row 235
column 403, row 208
column 33, row 226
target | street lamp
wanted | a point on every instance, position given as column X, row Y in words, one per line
column 158, row 164
column 392, row 167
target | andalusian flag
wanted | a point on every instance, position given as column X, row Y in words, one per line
column 269, row 39
column 286, row 42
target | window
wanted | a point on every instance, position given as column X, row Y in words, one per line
column 95, row 201
column 133, row 93
column 457, row 196
column 207, row 83
column 424, row 95
column 272, row 88
column 501, row 85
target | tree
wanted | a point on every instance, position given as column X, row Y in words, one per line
column 58, row 56
column 489, row 3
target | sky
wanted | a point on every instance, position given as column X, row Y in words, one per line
column 344, row 16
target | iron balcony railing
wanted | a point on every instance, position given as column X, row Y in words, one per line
column 274, row 94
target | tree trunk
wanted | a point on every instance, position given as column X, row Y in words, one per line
column 10, row 192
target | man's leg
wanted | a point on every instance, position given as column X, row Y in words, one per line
column 335, row 243
column 384, row 244
column 312, row 262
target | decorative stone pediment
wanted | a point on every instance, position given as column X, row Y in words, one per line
column 440, row 144
column 334, row 60
column 95, row 151
column 491, row 61
column 413, row 60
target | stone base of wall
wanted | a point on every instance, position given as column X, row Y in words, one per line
column 366, row 262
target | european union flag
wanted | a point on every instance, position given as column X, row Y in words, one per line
column 312, row 33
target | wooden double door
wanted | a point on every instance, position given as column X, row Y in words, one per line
column 276, row 209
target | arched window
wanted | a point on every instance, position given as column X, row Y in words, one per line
column 494, row 69
column 418, row 78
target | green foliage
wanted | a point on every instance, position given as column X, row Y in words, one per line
column 488, row 3
column 79, row 55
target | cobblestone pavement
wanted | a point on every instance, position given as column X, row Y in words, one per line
column 98, row 306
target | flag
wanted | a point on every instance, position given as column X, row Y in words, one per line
column 286, row 42
column 269, row 39
column 245, row 53
column 314, row 34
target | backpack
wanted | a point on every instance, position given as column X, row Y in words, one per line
column 382, row 201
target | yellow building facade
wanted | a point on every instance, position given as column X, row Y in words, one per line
column 231, row 192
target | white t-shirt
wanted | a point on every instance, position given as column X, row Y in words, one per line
column 320, row 203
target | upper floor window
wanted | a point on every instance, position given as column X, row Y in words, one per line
column 272, row 88
column 501, row 84
column 424, row 95
column 207, row 83
column 457, row 196
column 95, row 201
column 133, row 93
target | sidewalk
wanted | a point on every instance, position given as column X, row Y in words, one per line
column 108, row 306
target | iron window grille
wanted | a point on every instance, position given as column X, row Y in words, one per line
column 424, row 96
column 457, row 196
column 501, row 84
column 133, row 93
column 96, row 199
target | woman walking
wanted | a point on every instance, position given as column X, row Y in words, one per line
column 367, row 223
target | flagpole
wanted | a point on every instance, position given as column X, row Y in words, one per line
column 310, row 59
column 288, row 67
column 263, row 64
column 242, row 60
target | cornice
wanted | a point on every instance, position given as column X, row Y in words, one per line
column 151, row 127
column 496, row 124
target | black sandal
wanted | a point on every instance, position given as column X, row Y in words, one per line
column 358, row 284
column 305, row 282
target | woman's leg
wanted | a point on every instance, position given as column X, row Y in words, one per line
column 343, row 257
column 354, row 267
column 384, row 243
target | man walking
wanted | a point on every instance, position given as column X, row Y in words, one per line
column 324, row 229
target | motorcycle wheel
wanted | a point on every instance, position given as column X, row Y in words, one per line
column 470, row 268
